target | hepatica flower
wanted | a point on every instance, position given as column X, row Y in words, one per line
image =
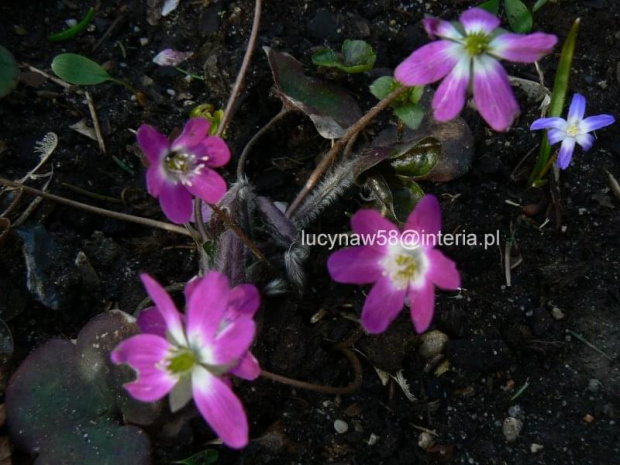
column 183, row 168
column 191, row 355
column 403, row 270
column 574, row 130
column 468, row 54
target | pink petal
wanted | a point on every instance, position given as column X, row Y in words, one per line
column 429, row 63
column 586, row 141
column 382, row 306
column 208, row 186
column 492, row 93
column 155, row 179
column 449, row 99
column 166, row 307
column 195, row 130
column 426, row 217
column 356, row 265
column 206, row 307
column 232, row 343
column 577, row 109
column 145, row 354
column 442, row 271
column 153, row 143
column 478, row 21
column 176, row 203
column 248, row 368
column 215, row 149
column 244, row 299
column 151, row 321
column 566, row 152
column 190, row 286
column 369, row 222
column 170, row 57
column 221, row 408
column 438, row 28
column 422, row 306
column 522, row 48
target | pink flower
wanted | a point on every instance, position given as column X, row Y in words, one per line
column 182, row 169
column 170, row 57
column 470, row 51
column 407, row 266
column 189, row 356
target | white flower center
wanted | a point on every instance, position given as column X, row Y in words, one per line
column 405, row 266
column 182, row 167
column 573, row 130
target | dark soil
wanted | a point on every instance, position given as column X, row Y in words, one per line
column 502, row 337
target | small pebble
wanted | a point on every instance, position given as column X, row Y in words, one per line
column 588, row 418
column 511, row 428
column 516, row 411
column 433, row 344
column 341, row 427
column 71, row 22
column 144, row 41
column 557, row 314
column 594, row 385
column 425, row 440
column 373, row 439
column 536, row 448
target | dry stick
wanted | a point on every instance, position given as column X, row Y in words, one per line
column 255, row 138
column 99, row 211
column 327, row 161
column 242, row 71
column 95, row 118
column 200, row 224
column 223, row 215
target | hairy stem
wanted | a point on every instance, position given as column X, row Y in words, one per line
column 329, row 158
column 242, row 71
column 98, row 211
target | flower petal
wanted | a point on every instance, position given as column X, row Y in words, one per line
column 426, row 217
column 592, row 123
column 577, row 109
column 220, row 407
column 145, row 353
column 566, row 152
column 555, row 135
column 585, row 140
column 232, row 343
column 547, row 123
column 151, row 321
column 369, row 222
column 153, row 143
column 522, row 48
column 248, row 368
column 356, row 265
column 206, row 307
column 492, row 93
column 166, row 307
column 195, row 130
column 449, row 99
column 438, row 28
column 429, row 63
column 422, row 306
column 171, row 57
column 442, row 271
column 478, row 21
column 382, row 306
column 215, row 149
column 155, row 179
column 244, row 299
column 176, row 203
column 208, row 186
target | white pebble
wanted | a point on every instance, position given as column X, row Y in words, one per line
column 341, row 427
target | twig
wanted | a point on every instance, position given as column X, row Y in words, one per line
column 95, row 118
column 199, row 220
column 60, row 82
column 93, row 195
column 99, row 211
column 328, row 159
column 105, row 35
column 248, row 148
column 589, row 344
column 242, row 71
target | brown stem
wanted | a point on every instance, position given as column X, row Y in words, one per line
column 328, row 159
column 99, row 211
column 351, row 388
column 199, row 220
column 242, row 71
column 246, row 151
column 548, row 165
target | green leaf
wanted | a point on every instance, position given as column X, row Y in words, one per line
column 519, row 17
column 410, row 114
column 538, row 5
column 383, row 87
column 406, row 198
column 560, row 87
column 206, row 457
column 79, row 70
column 329, row 107
column 357, row 56
column 492, row 6
column 9, row 73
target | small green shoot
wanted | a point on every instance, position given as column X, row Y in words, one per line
column 405, row 107
column 357, row 56
column 73, row 31
column 206, row 457
column 9, row 73
column 520, row 391
column 207, row 111
column 580, row 338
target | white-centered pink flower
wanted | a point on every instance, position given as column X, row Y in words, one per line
column 467, row 56
column 190, row 356
column 405, row 268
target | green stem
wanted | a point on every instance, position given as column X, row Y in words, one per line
column 187, row 73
